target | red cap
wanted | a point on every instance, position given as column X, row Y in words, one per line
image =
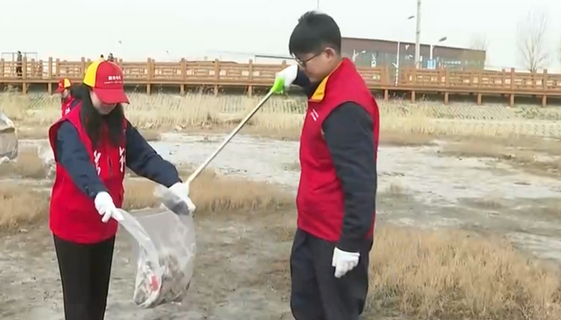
column 106, row 80
column 63, row 84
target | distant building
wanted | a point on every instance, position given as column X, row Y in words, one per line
column 382, row 53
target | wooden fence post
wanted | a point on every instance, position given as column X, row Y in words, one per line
column 511, row 100
column 545, row 88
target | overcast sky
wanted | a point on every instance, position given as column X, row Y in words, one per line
column 170, row 29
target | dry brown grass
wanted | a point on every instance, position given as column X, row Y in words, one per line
column 150, row 135
column 449, row 275
column 21, row 206
column 395, row 193
column 395, row 190
column 38, row 133
column 486, row 203
column 213, row 194
column 28, row 165
column 423, row 274
column 457, row 275
column 398, row 139
column 548, row 208
column 541, row 208
column 402, row 123
column 531, row 154
column 293, row 166
column 139, row 194
column 446, row 274
column 35, row 133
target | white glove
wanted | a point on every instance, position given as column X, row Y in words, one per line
column 344, row 262
column 287, row 75
column 181, row 190
column 106, row 208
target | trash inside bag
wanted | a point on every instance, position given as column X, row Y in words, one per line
column 8, row 139
column 165, row 255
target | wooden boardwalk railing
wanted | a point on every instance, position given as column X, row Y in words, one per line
column 220, row 74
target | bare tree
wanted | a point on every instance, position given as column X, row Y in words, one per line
column 476, row 55
column 532, row 41
column 479, row 42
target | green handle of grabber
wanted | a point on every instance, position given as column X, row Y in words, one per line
column 278, row 86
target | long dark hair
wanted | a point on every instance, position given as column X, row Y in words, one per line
column 95, row 123
column 73, row 87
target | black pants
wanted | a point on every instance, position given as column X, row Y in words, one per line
column 85, row 270
column 19, row 71
column 316, row 294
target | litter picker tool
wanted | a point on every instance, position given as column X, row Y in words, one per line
column 164, row 276
column 170, row 200
column 242, row 123
column 278, row 87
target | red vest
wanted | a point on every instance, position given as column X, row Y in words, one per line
column 67, row 105
column 320, row 199
column 73, row 216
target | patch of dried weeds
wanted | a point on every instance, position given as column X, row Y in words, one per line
column 547, row 208
column 38, row 133
column 33, row 133
column 445, row 274
column 404, row 124
column 452, row 274
column 139, row 194
column 276, row 277
column 281, row 225
column 21, row 206
column 213, row 194
column 150, row 134
column 28, row 165
column 403, row 139
column 395, row 192
column 531, row 154
column 486, row 203
column 293, row 166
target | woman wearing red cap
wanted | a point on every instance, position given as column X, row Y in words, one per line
column 66, row 98
column 92, row 145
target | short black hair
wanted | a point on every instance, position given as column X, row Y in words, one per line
column 314, row 32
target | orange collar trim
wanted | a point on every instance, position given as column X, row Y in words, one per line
column 319, row 94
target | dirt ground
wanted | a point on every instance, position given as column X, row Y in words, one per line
column 241, row 271
column 230, row 281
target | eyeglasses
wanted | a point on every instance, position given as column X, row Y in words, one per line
column 302, row 63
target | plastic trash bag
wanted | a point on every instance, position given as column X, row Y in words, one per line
column 8, row 139
column 165, row 255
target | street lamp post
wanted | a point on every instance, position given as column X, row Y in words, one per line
column 432, row 46
column 418, row 36
column 396, row 64
column 356, row 54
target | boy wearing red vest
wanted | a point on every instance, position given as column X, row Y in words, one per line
column 337, row 190
column 92, row 145
column 67, row 100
